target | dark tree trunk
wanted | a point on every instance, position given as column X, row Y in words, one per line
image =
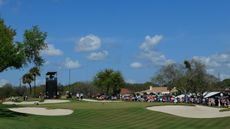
column 30, row 89
column 35, row 86
column 107, row 90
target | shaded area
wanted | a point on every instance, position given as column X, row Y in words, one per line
column 5, row 112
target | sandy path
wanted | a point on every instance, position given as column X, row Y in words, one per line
column 47, row 101
column 42, row 111
column 191, row 111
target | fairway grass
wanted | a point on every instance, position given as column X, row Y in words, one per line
column 123, row 115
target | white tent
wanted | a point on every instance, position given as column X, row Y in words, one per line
column 207, row 95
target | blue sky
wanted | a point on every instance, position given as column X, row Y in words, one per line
column 135, row 37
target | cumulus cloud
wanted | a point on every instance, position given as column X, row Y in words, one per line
column 3, row 82
column 217, row 64
column 71, row 64
column 150, row 42
column 149, row 53
column 98, row 55
column 52, row 51
column 136, row 65
column 216, row 60
column 88, row 43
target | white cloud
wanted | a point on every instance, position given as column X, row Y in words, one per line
column 149, row 53
column 209, row 61
column 136, row 65
column 217, row 60
column 71, row 64
column 52, row 51
column 150, row 42
column 98, row 55
column 156, row 58
column 88, row 43
column 130, row 81
column 217, row 64
column 3, row 82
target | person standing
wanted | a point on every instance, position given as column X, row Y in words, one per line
column 219, row 103
column 81, row 96
column 77, row 96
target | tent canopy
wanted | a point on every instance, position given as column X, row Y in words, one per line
column 210, row 94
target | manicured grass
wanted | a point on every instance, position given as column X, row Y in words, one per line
column 124, row 115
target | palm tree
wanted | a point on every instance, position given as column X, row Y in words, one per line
column 35, row 71
column 109, row 81
column 27, row 78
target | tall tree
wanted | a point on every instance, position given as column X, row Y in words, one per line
column 225, row 83
column 11, row 54
column 35, row 71
column 118, row 82
column 199, row 80
column 27, row 79
column 34, row 42
column 168, row 74
column 17, row 54
column 190, row 77
column 109, row 81
column 7, row 90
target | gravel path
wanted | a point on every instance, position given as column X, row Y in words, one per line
column 42, row 111
column 191, row 111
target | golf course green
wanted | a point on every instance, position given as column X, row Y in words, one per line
column 89, row 115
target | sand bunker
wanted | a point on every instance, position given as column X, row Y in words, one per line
column 42, row 111
column 47, row 101
column 105, row 101
column 191, row 111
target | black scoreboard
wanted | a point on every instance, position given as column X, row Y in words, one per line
column 51, row 85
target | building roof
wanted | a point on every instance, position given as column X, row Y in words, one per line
column 125, row 91
column 158, row 89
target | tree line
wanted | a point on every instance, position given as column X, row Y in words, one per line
column 89, row 89
column 189, row 77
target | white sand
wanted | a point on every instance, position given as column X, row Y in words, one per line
column 42, row 111
column 105, row 101
column 191, row 111
column 47, row 101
